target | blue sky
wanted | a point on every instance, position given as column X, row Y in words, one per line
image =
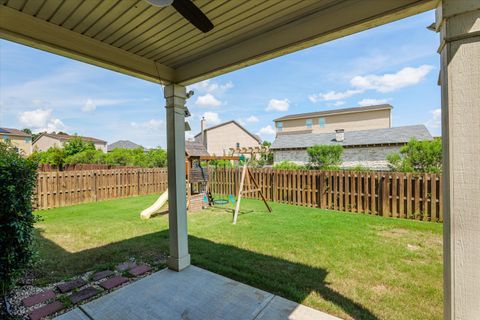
column 396, row 63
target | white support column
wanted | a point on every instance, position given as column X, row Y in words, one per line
column 175, row 97
column 458, row 22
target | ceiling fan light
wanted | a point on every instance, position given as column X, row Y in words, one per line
column 160, row 3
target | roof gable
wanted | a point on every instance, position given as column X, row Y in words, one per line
column 123, row 144
column 254, row 136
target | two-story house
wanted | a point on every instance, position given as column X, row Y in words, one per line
column 350, row 119
column 365, row 133
column 20, row 140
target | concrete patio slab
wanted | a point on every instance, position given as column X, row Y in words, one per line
column 281, row 308
column 192, row 294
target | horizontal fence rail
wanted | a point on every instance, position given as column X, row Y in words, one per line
column 63, row 188
column 389, row 194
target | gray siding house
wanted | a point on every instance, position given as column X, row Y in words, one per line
column 368, row 148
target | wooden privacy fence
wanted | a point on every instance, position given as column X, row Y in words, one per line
column 63, row 188
column 390, row 194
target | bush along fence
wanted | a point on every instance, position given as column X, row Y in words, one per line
column 70, row 167
column 64, row 188
column 389, row 194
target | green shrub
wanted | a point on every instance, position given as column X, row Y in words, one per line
column 418, row 156
column 17, row 181
column 325, row 157
column 76, row 152
column 288, row 165
column 87, row 157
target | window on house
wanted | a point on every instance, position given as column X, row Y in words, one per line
column 27, row 140
column 6, row 138
column 279, row 126
column 309, row 123
column 321, row 122
column 238, row 144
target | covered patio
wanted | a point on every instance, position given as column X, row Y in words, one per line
column 159, row 45
column 194, row 293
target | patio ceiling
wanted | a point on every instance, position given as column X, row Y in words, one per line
column 159, row 45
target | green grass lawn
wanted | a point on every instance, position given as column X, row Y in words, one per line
column 348, row 265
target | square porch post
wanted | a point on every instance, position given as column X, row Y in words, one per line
column 458, row 22
column 175, row 96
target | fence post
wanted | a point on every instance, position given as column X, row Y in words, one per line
column 94, row 187
column 138, row 182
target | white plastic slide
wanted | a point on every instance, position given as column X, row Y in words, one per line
column 154, row 208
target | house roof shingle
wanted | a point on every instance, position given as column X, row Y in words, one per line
column 123, row 144
column 331, row 112
column 64, row 137
column 14, row 132
column 397, row 135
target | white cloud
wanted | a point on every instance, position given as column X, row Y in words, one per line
column 150, row 125
column 266, row 132
column 391, row 81
column 281, row 105
column 252, row 119
column 89, row 106
column 211, row 118
column 36, row 118
column 208, row 100
column 435, row 121
column 40, row 120
column 92, row 104
column 372, row 102
column 333, row 95
column 209, row 86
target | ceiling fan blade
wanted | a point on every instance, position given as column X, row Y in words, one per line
column 193, row 14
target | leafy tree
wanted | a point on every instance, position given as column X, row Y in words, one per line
column 120, row 157
column 325, row 157
column 418, row 156
column 76, row 145
column 54, row 156
column 157, row 158
column 86, row 157
column 27, row 131
column 17, row 181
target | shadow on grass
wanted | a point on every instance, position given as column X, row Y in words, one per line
column 288, row 279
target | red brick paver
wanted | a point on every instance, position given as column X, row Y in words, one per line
column 83, row 294
column 102, row 274
column 38, row 298
column 70, row 285
column 139, row 270
column 113, row 282
column 46, row 310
